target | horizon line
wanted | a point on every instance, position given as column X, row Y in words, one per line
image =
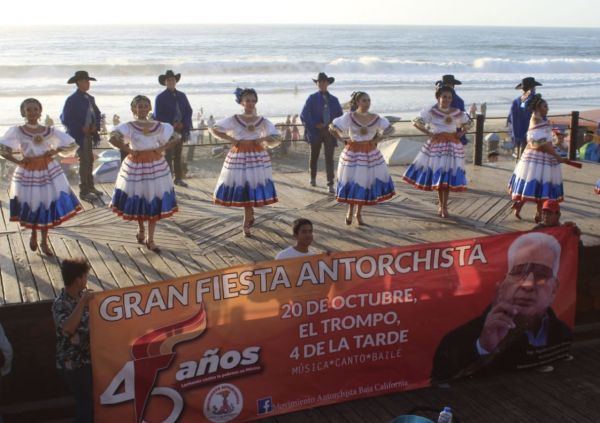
column 239, row 24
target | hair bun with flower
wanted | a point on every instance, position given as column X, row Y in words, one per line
column 536, row 100
column 238, row 95
column 355, row 98
column 241, row 92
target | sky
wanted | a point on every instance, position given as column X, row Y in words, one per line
column 574, row 13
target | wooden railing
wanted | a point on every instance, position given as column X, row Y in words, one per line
column 479, row 135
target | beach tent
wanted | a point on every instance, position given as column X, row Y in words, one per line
column 588, row 119
column 107, row 172
column 400, row 151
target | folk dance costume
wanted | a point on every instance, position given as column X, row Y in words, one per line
column 246, row 178
column 144, row 189
column 40, row 195
column 537, row 176
column 441, row 162
column 362, row 174
column 597, row 189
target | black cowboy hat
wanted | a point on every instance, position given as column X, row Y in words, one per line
column 323, row 77
column 527, row 83
column 79, row 75
column 449, row 79
column 168, row 74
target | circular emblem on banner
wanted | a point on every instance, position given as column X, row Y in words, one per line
column 223, row 403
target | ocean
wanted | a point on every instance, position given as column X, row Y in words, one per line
column 396, row 65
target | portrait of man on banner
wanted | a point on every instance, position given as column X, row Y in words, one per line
column 519, row 329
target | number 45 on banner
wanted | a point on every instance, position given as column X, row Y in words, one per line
column 126, row 378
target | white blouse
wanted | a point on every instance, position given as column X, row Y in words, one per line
column 140, row 138
column 358, row 132
column 239, row 129
column 540, row 133
column 19, row 139
column 439, row 121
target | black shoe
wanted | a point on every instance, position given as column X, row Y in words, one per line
column 313, row 183
column 88, row 196
column 180, row 183
column 331, row 189
column 96, row 191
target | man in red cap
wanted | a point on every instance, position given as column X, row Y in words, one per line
column 551, row 216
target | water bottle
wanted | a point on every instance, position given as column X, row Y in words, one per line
column 445, row 415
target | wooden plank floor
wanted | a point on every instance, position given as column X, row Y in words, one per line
column 203, row 236
column 569, row 394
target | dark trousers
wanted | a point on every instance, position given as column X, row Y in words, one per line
column 328, row 142
column 520, row 144
column 79, row 382
column 86, row 165
column 173, row 158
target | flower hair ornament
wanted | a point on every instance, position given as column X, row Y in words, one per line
column 238, row 95
column 241, row 92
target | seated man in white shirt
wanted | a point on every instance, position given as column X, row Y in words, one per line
column 303, row 234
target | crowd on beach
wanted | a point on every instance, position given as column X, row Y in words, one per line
column 151, row 168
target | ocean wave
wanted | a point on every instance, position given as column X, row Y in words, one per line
column 569, row 90
column 541, row 65
column 266, row 66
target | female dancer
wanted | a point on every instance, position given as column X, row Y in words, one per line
column 363, row 177
column 295, row 130
column 440, row 165
column 537, row 176
column 40, row 195
column 246, row 177
column 144, row 189
column 287, row 135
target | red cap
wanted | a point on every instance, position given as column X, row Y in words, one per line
column 551, row 205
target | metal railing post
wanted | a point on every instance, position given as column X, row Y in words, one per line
column 478, row 151
column 574, row 135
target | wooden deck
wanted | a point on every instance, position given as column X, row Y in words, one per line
column 569, row 394
column 203, row 236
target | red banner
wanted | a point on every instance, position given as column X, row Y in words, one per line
column 268, row 338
